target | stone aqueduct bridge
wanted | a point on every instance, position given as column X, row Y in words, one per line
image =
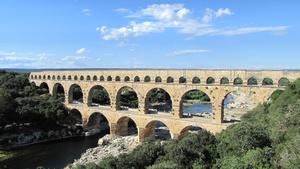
column 175, row 82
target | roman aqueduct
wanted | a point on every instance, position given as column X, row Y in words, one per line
column 216, row 84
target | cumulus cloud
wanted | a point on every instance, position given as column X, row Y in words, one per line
column 86, row 12
column 159, row 17
column 188, row 52
column 80, row 51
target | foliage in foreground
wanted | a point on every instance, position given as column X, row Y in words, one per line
column 267, row 137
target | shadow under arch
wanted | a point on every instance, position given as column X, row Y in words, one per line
column 43, row 88
column 126, row 98
column 59, row 91
column 158, row 100
column 75, row 94
column 189, row 129
column 98, row 123
column 156, row 130
column 98, row 96
column 126, row 126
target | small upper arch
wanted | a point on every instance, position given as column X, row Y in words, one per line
column 147, row 79
column 252, row 81
column 136, row 79
column 158, row 79
column 224, row 81
column 170, row 79
column 182, row 79
column 196, row 80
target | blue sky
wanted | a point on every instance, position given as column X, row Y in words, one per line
column 251, row 34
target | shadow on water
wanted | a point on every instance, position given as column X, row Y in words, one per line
column 52, row 155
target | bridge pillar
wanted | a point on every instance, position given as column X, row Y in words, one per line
column 217, row 110
column 113, row 129
column 141, row 107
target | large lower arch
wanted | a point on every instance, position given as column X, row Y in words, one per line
column 44, row 88
column 158, row 100
column 126, row 126
column 59, row 91
column 98, row 96
column 75, row 94
column 189, row 129
column 195, row 103
column 75, row 117
column 97, row 122
column 156, row 130
column 235, row 104
column 126, row 99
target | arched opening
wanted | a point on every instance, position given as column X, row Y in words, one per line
column 75, row 94
column 127, row 99
column 170, row 79
column 44, row 88
column 49, row 77
column 35, row 76
column 109, row 78
column 237, row 81
column 195, row 103
column 44, row 77
column 31, row 76
column 283, row 82
column 236, row 104
column 157, row 130
column 53, row 77
column 224, row 81
column 58, row 77
column 182, row 80
column 64, row 77
column 252, row 81
column 158, row 100
column 117, row 79
column 95, row 78
column 189, row 130
column 59, row 92
column 126, row 126
column 69, row 77
column 127, row 79
column 40, row 77
column 267, row 81
column 101, row 78
column 196, row 80
column 158, row 79
column 75, row 118
column 88, row 77
column 97, row 123
column 210, row 80
column 75, row 77
column 98, row 96
column 136, row 79
column 147, row 79
column 81, row 77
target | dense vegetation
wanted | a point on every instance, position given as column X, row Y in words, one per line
column 267, row 137
column 23, row 102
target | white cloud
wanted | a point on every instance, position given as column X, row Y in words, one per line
column 122, row 10
column 81, row 51
column 159, row 17
column 86, row 12
column 188, row 52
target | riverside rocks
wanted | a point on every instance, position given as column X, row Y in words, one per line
column 107, row 146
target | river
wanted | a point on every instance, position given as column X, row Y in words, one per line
column 58, row 154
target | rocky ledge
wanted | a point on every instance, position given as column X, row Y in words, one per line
column 107, row 146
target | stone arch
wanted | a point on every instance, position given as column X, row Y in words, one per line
column 126, row 78
column 196, row 80
column 189, row 129
column 235, row 104
column 126, row 126
column 267, row 81
column 126, row 99
column 195, row 103
column 31, row 76
column 88, row 77
column 64, row 77
column 75, row 94
column 210, row 80
column 35, row 76
column 224, row 81
column 75, row 77
column 147, row 79
column 49, row 77
column 58, row 91
column 182, row 80
column 136, row 79
column 53, row 77
column 98, row 96
column 40, row 77
column 117, row 79
column 252, row 81
column 158, row 100
column 69, row 77
column 81, row 78
column 158, row 79
column 75, row 117
column 109, row 78
column 238, row 81
column 44, row 88
column 101, row 78
column 58, row 77
column 170, row 79
column 156, row 130
column 283, row 82
column 44, row 77
column 95, row 78
column 98, row 123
